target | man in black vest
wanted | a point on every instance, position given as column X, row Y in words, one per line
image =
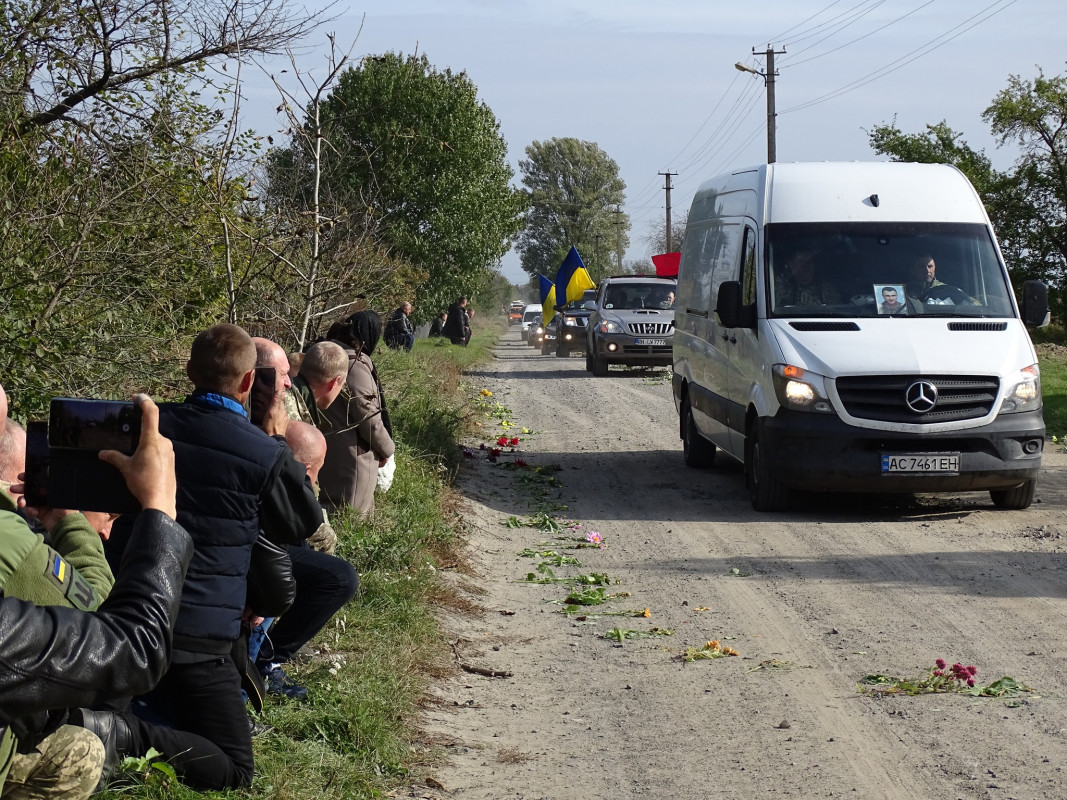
column 234, row 479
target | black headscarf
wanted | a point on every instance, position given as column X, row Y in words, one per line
column 366, row 326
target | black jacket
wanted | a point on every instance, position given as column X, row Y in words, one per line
column 56, row 657
column 233, row 481
column 457, row 324
column 397, row 326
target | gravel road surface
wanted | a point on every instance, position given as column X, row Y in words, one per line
column 812, row 600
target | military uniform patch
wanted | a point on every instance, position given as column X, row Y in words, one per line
column 68, row 582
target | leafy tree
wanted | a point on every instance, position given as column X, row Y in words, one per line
column 1033, row 115
column 574, row 191
column 939, row 144
column 415, row 160
column 60, row 58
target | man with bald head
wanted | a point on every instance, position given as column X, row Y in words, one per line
column 234, row 481
column 308, row 446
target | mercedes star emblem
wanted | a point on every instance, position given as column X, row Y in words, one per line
column 921, row 397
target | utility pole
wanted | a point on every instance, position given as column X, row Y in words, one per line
column 768, row 79
column 618, row 238
column 667, row 187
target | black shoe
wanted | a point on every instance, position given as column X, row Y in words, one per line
column 257, row 728
column 113, row 731
column 279, row 683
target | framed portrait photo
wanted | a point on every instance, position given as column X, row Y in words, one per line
column 890, row 298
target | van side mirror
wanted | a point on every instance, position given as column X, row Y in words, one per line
column 1035, row 304
column 590, row 305
column 729, row 308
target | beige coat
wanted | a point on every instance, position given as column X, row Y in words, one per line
column 356, row 440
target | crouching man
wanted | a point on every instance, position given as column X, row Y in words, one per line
column 56, row 657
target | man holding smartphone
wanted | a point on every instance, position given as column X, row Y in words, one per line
column 121, row 649
column 234, row 480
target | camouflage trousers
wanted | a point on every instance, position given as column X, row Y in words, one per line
column 65, row 766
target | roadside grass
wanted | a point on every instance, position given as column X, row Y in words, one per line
column 368, row 668
column 1054, row 393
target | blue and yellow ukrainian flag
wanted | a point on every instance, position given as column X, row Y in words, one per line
column 548, row 298
column 572, row 279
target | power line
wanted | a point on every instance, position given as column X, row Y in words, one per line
column 889, row 68
column 794, row 63
column 838, row 23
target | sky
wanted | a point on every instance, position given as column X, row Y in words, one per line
column 653, row 83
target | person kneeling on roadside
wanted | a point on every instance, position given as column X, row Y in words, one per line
column 121, row 649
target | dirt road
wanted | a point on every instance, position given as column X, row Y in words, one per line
column 812, row 600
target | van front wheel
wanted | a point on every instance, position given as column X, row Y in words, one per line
column 696, row 450
column 1018, row 497
column 768, row 493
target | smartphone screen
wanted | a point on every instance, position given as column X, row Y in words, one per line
column 37, row 460
column 262, row 395
column 75, row 424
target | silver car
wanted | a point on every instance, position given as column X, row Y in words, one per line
column 632, row 323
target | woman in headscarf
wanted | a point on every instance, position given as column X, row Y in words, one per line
column 359, row 437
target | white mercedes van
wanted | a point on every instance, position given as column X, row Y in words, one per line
column 851, row 327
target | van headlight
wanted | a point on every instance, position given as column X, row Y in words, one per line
column 607, row 326
column 1025, row 393
column 800, row 390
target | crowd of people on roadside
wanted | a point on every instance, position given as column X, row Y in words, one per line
column 454, row 325
column 123, row 633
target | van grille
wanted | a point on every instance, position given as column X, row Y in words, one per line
column 651, row 328
column 978, row 326
column 884, row 397
column 824, row 326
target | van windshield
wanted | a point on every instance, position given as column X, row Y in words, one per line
column 897, row 269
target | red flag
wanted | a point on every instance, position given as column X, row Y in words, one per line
column 667, row 264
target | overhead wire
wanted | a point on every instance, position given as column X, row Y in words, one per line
column 735, row 108
column 743, row 104
column 835, row 25
column 907, row 58
column 793, row 63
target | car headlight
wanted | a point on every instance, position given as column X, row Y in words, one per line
column 607, row 326
column 1025, row 393
column 800, row 390
column 570, row 320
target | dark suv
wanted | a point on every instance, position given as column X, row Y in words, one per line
column 631, row 322
column 570, row 324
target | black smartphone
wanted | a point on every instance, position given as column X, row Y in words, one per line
column 262, row 395
column 76, row 424
column 77, row 431
column 37, row 462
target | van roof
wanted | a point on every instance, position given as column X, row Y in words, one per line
column 828, row 191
